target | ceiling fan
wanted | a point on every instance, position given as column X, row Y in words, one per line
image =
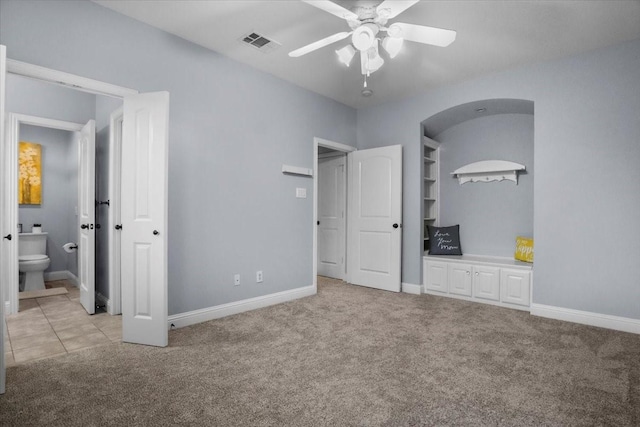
column 366, row 23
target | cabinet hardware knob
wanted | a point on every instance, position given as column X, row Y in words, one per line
column 8, row 237
column 84, row 226
column 156, row 232
column 118, row 227
column 395, row 225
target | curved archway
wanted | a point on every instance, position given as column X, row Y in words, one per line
column 490, row 215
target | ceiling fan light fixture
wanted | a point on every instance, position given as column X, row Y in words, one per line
column 364, row 36
column 392, row 45
column 345, row 55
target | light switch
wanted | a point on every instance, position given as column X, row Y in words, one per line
column 301, row 193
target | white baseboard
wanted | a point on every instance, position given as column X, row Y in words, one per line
column 617, row 323
column 61, row 275
column 410, row 288
column 205, row 314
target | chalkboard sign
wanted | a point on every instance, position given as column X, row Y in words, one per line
column 444, row 240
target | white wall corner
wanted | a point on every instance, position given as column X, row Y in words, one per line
column 624, row 324
column 216, row 312
column 410, row 288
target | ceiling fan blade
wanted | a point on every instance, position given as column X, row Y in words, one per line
column 392, row 8
column 334, row 9
column 320, row 43
column 427, row 35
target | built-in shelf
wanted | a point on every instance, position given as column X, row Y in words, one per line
column 488, row 170
column 430, row 185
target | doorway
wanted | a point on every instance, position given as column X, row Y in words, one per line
column 373, row 213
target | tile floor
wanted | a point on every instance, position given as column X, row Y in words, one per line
column 51, row 326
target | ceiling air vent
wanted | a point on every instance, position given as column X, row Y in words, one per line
column 259, row 42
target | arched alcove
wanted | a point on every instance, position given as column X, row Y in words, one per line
column 491, row 214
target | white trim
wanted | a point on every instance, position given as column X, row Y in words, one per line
column 624, row 324
column 410, row 288
column 55, row 275
column 114, row 217
column 61, row 78
column 319, row 142
column 223, row 310
column 62, row 275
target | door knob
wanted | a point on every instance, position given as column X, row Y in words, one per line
column 156, row 232
column 118, row 227
column 395, row 225
column 318, row 222
column 8, row 237
column 84, row 226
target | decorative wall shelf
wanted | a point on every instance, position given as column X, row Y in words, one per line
column 296, row 170
column 488, row 170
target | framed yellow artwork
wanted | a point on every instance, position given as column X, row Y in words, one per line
column 29, row 173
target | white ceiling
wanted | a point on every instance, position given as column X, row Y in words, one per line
column 492, row 36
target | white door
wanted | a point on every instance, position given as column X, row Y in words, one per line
column 5, row 232
column 86, row 216
column 375, row 217
column 144, row 218
column 331, row 217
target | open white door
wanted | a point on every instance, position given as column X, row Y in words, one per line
column 375, row 217
column 331, row 216
column 145, row 136
column 86, row 216
column 5, row 232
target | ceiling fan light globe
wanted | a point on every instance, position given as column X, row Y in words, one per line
column 394, row 30
column 363, row 38
column 345, row 55
column 392, row 45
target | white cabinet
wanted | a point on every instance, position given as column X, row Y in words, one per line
column 460, row 279
column 437, row 278
column 486, row 282
column 515, row 286
column 498, row 281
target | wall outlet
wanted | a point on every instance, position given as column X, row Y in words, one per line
column 259, row 276
column 236, row 280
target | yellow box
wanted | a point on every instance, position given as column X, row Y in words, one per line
column 524, row 249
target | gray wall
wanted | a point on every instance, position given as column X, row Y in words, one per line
column 231, row 128
column 59, row 194
column 492, row 214
column 586, row 198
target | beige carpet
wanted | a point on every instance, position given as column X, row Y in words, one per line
column 42, row 293
column 350, row 356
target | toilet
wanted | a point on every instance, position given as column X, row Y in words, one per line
column 32, row 260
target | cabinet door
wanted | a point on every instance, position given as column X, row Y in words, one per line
column 486, row 283
column 460, row 279
column 515, row 286
column 435, row 276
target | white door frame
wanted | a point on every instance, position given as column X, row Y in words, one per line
column 114, row 217
column 319, row 142
column 62, row 79
column 14, row 121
